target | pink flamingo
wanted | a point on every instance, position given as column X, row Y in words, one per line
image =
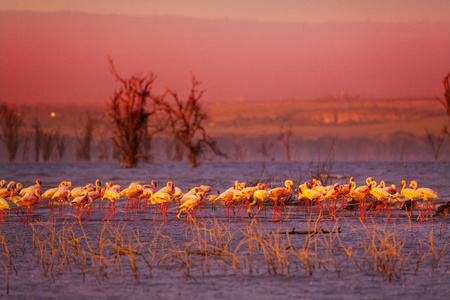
column 28, row 201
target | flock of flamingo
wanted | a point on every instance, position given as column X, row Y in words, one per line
column 339, row 199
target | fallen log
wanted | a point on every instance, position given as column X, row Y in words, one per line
column 320, row 230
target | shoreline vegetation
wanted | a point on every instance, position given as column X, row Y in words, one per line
column 358, row 129
column 214, row 247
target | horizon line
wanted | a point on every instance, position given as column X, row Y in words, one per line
column 109, row 14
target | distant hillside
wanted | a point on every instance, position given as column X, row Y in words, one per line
column 328, row 117
column 62, row 57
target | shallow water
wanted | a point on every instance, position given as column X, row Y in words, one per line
column 224, row 282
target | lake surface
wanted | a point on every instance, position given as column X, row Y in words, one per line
column 425, row 275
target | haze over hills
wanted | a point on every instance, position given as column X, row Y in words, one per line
column 62, row 57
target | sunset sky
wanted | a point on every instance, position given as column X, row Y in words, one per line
column 260, row 10
column 260, row 50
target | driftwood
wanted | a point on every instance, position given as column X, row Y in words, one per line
column 320, row 230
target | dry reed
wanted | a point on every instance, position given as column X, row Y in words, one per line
column 213, row 247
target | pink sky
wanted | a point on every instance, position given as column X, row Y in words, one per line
column 261, row 10
column 62, row 57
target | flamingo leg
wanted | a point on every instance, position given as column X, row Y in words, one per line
column 106, row 217
column 131, row 212
column 285, row 210
column 275, row 211
column 156, row 210
column 87, row 216
column 15, row 211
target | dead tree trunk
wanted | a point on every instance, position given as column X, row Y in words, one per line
column 285, row 138
column 26, row 146
column 11, row 125
column 446, row 101
column 103, row 136
column 60, row 145
column 85, row 139
column 37, row 139
column 48, row 144
column 265, row 148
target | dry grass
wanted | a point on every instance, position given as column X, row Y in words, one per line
column 212, row 247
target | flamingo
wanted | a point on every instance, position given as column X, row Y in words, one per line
column 48, row 194
column 426, row 193
column 345, row 188
column 161, row 198
column 97, row 192
column 381, row 194
column 3, row 205
column 247, row 194
column 17, row 188
column 213, row 198
column 259, row 196
column 31, row 188
column 249, row 191
column 333, row 193
column 62, row 194
column 112, row 194
column 133, row 191
column 28, row 201
column 390, row 189
column 190, row 203
column 227, row 197
column 360, row 193
column 192, row 191
column 8, row 191
column 279, row 193
column 79, row 191
column 169, row 188
column 310, row 194
column 80, row 202
column 317, row 185
column 145, row 193
column 411, row 194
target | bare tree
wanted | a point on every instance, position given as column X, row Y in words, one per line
column 240, row 151
column 84, row 139
column 437, row 143
column 146, row 146
column 446, row 101
column 186, row 118
column 48, row 144
column 129, row 112
column 26, row 146
column 37, row 139
column 103, row 137
column 11, row 125
column 285, row 137
column 116, row 153
column 173, row 148
column 60, row 145
column 264, row 147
